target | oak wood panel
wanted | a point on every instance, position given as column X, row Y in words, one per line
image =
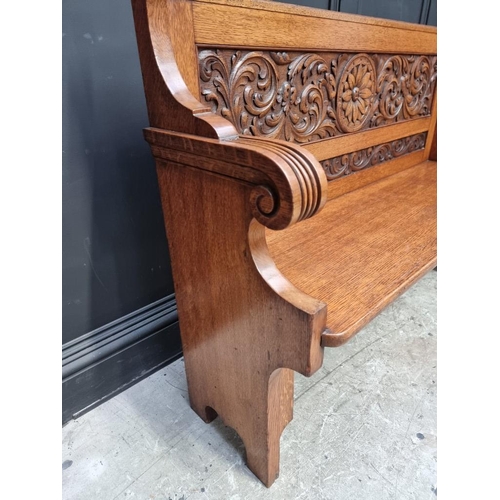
column 241, row 334
column 244, row 325
column 358, row 180
column 368, row 158
column 181, row 32
column 369, row 246
column 289, row 184
column 336, row 146
column 433, row 150
column 271, row 6
column 279, row 32
column 304, row 97
column 431, row 146
column 171, row 104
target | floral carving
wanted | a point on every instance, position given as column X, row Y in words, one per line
column 304, row 97
column 357, row 91
column 250, row 90
column 287, row 95
column 405, row 88
column 245, row 92
column 369, row 157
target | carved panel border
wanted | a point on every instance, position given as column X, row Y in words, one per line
column 349, row 163
column 304, row 97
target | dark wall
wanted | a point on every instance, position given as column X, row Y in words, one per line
column 413, row 11
column 118, row 312
column 432, row 17
column 115, row 255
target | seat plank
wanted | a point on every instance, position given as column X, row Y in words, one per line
column 364, row 249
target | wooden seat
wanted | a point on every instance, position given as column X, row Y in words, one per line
column 295, row 154
column 374, row 252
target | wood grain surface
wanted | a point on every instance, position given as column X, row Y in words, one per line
column 244, row 327
column 298, row 10
column 304, row 97
column 328, row 148
column 167, row 57
column 431, row 146
column 266, row 271
column 326, row 32
column 369, row 246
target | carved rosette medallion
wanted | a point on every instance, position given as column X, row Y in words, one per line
column 356, row 93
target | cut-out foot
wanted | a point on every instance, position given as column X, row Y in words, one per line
column 206, row 413
column 262, row 439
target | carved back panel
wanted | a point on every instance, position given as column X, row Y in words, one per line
column 305, row 97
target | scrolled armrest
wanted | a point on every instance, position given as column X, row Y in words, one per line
column 289, row 183
column 302, row 173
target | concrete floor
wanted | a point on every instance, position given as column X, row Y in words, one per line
column 364, row 427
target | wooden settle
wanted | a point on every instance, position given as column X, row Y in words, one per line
column 294, row 152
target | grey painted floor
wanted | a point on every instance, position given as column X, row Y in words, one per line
column 364, row 427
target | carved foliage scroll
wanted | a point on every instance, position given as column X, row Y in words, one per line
column 306, row 97
column 369, row 157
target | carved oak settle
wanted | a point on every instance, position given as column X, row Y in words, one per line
column 294, row 153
